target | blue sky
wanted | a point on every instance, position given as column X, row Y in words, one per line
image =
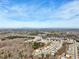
column 39, row 13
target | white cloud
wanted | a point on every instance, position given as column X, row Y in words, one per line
column 67, row 11
column 66, row 16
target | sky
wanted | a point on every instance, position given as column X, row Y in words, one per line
column 39, row 13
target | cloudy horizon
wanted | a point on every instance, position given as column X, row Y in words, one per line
column 39, row 13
